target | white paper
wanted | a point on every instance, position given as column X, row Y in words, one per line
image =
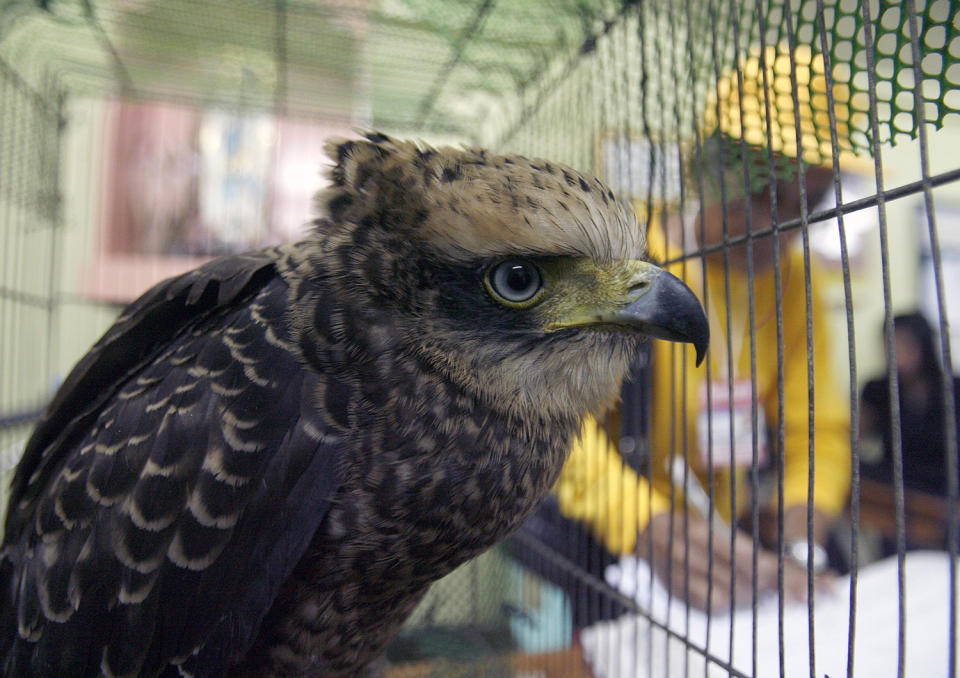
column 631, row 647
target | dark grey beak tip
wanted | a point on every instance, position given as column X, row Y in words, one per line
column 701, row 348
column 670, row 310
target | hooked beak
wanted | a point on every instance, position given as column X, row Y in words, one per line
column 660, row 305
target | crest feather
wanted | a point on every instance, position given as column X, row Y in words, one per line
column 468, row 203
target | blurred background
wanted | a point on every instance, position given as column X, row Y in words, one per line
column 139, row 138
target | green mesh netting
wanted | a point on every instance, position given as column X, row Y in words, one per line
column 824, row 64
column 796, row 85
column 467, row 68
column 636, row 106
column 939, row 59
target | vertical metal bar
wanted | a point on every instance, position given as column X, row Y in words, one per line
column 473, row 588
column 585, row 104
column 685, row 406
column 56, row 235
column 678, row 405
column 600, row 63
column 8, row 131
column 851, row 343
column 808, row 298
column 280, row 43
column 752, row 323
column 948, row 395
column 894, row 391
column 615, row 47
column 696, row 111
column 778, row 310
column 629, row 46
column 642, row 23
column 678, row 435
column 607, row 51
column 599, row 111
column 646, row 105
column 674, row 366
column 724, row 203
column 17, row 225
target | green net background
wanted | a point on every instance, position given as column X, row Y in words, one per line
column 465, row 68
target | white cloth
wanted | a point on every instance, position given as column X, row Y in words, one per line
column 632, row 647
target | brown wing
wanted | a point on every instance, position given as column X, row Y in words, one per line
column 173, row 484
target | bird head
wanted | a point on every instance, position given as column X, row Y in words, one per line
column 523, row 281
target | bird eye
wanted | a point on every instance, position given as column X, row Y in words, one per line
column 514, row 282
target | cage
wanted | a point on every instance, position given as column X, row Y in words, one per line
column 793, row 160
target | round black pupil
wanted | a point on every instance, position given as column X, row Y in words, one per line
column 519, row 278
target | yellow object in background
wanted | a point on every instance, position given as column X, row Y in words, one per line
column 597, row 488
column 743, row 109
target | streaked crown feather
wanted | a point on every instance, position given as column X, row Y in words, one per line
column 468, row 203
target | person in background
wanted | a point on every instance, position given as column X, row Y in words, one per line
column 922, row 423
column 691, row 415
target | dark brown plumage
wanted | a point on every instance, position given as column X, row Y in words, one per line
column 262, row 465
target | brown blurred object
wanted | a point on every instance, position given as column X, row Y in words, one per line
column 926, row 514
column 567, row 663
